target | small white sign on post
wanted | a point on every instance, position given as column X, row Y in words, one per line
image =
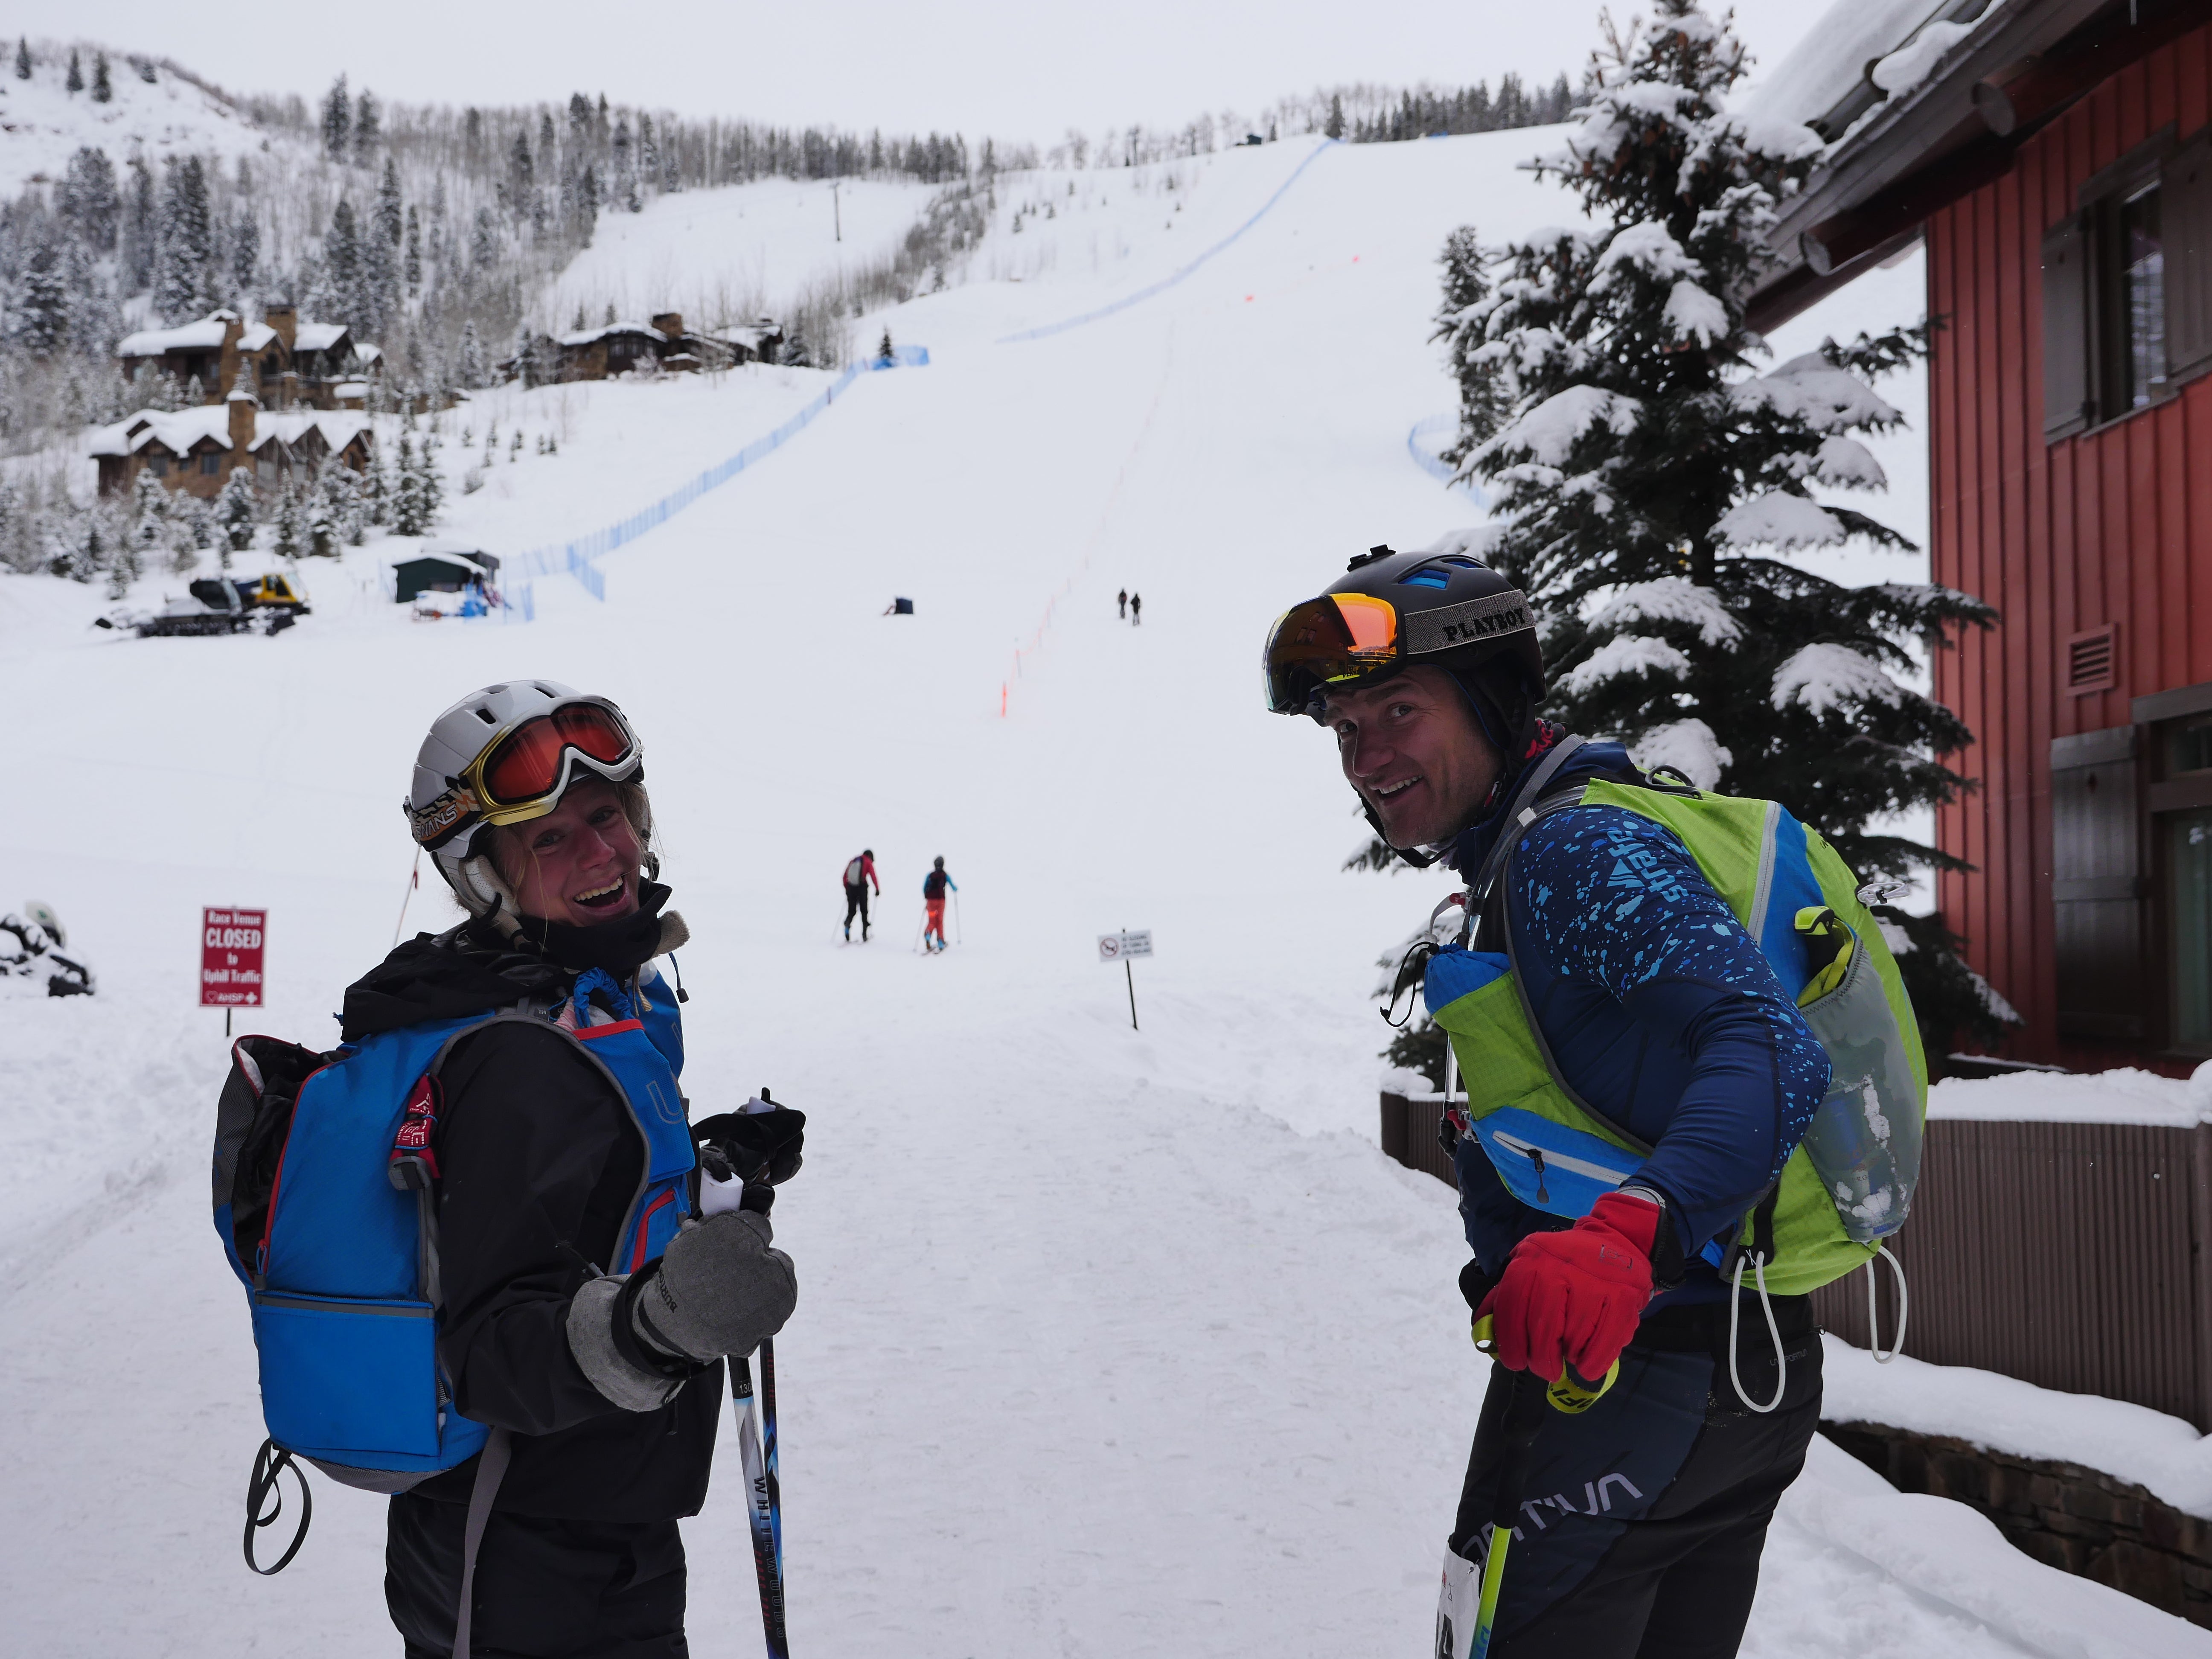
column 1120, row 947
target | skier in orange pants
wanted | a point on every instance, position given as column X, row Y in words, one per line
column 934, row 886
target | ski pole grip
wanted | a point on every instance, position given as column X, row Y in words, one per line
column 1570, row 1393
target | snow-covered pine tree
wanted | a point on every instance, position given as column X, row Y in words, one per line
column 367, row 128
column 1638, row 464
column 135, row 252
column 245, row 253
column 289, row 538
column 474, row 374
column 408, row 516
column 238, row 509
column 103, row 90
column 341, row 267
column 431, row 481
column 40, row 322
column 150, row 501
column 23, row 58
column 338, row 120
column 413, row 265
column 884, row 352
column 325, row 516
column 180, row 277
column 75, row 82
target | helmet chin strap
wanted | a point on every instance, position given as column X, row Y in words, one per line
column 1419, row 857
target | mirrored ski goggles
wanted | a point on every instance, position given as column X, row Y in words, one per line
column 1330, row 640
column 525, row 772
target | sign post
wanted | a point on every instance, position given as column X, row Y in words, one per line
column 231, row 945
column 1120, row 947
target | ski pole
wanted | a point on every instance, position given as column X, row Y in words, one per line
column 764, row 1501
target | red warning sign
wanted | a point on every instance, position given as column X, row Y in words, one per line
column 231, row 942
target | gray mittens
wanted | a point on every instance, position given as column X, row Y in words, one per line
column 719, row 1288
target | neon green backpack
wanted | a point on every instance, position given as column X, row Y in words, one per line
column 1848, row 1185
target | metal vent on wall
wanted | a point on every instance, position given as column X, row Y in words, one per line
column 2092, row 659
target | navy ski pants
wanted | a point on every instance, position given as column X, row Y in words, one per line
column 1639, row 1524
column 856, row 903
column 544, row 1588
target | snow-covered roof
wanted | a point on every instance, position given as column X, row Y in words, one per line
column 255, row 336
column 367, row 353
column 316, row 337
column 1899, row 38
column 201, row 335
column 177, row 430
column 339, row 427
column 585, row 337
column 457, row 561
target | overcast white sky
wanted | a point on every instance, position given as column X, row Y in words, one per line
column 1012, row 70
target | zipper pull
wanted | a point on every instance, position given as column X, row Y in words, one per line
column 1536, row 1158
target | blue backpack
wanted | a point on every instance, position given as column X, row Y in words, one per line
column 325, row 1173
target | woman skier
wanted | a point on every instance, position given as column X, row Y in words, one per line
column 591, row 1286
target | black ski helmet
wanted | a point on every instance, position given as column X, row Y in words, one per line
column 1392, row 611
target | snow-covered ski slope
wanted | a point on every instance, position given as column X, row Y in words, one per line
column 1110, row 1341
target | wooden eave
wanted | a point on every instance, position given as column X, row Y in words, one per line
column 1954, row 133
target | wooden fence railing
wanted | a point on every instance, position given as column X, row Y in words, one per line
column 2077, row 1256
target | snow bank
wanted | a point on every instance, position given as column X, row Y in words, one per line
column 1956, row 1557
column 46, row 125
column 2163, row 1455
column 2123, row 1095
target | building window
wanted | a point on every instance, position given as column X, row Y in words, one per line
column 2134, row 314
column 207, row 462
column 2127, row 287
column 158, row 466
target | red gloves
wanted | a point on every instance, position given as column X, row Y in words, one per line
column 1574, row 1297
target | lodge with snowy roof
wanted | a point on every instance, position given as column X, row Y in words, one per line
column 195, row 449
column 291, row 361
column 623, row 347
column 2055, row 158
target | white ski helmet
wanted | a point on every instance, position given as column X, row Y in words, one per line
column 505, row 755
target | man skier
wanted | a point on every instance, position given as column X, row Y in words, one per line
column 1638, row 1524
column 934, row 886
column 1121, row 606
column 857, row 874
column 1136, row 609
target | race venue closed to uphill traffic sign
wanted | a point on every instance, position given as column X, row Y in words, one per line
column 231, row 942
column 1120, row 947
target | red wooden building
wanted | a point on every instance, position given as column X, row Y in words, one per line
column 2057, row 159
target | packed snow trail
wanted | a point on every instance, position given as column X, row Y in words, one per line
column 1109, row 1342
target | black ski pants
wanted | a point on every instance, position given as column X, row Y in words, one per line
column 856, row 903
column 545, row 1589
column 1639, row 1524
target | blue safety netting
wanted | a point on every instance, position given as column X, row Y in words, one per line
column 575, row 558
column 1421, row 444
column 1169, row 282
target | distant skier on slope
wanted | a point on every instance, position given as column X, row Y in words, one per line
column 1136, row 609
column 857, row 874
column 576, row 1318
column 1121, row 606
column 1630, row 1214
column 934, row 886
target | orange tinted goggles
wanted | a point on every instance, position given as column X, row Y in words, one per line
column 532, row 762
column 1330, row 640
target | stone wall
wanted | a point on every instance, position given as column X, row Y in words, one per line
column 2078, row 1519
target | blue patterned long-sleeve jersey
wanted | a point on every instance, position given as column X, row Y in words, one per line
column 1663, row 1013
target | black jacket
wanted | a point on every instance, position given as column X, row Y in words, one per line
column 538, row 1160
